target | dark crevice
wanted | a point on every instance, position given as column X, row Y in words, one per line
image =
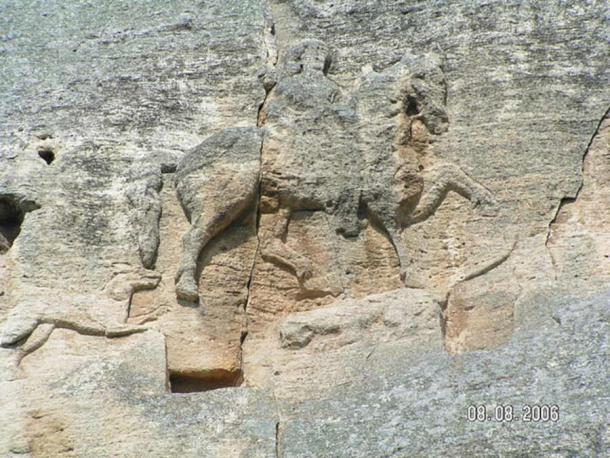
column 130, row 303
column 168, row 386
column 362, row 208
column 242, row 337
column 260, row 114
column 277, row 439
column 328, row 61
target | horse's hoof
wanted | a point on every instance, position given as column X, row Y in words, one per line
column 489, row 207
column 304, row 272
column 187, row 290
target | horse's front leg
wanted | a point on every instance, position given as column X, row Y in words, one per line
column 444, row 179
column 275, row 250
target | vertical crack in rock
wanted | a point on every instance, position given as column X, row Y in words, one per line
column 168, row 387
column 129, row 304
column 571, row 199
column 257, row 224
column 277, row 439
column 271, row 62
column 278, row 425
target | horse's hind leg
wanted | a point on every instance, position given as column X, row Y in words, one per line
column 204, row 228
column 394, row 234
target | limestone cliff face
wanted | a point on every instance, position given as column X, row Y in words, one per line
column 303, row 228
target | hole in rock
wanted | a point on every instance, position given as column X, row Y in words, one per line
column 169, row 167
column 11, row 217
column 328, row 61
column 204, row 381
column 411, row 108
column 47, row 155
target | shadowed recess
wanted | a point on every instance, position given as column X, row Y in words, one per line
column 12, row 212
column 204, row 381
column 11, row 217
column 47, row 155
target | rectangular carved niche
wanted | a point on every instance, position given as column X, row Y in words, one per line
column 181, row 382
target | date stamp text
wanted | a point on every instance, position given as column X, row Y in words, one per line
column 534, row 413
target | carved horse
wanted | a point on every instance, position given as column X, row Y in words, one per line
column 399, row 111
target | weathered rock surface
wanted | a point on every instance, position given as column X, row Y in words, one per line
column 303, row 228
column 407, row 404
